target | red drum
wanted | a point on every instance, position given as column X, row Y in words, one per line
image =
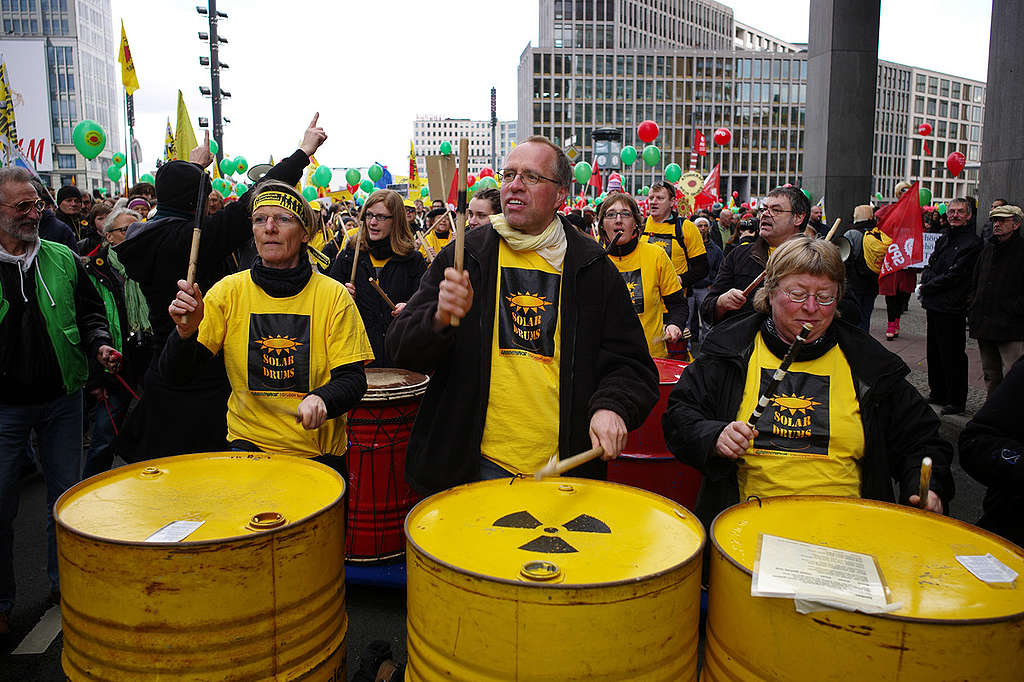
column 378, row 433
column 678, row 350
column 645, row 461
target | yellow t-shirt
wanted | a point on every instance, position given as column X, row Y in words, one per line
column 276, row 350
column 664, row 235
column 521, row 425
column 435, row 242
column 649, row 277
column 810, row 439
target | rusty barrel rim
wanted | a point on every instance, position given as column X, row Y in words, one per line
column 262, row 533
column 385, row 384
column 825, row 499
column 416, row 549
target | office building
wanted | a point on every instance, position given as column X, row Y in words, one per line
column 688, row 65
column 430, row 131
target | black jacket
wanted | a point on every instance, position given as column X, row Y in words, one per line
column 996, row 303
column 715, row 258
column 605, row 363
column 155, row 253
column 57, row 231
column 946, row 280
column 399, row 278
column 861, row 279
column 992, row 452
column 899, row 426
column 741, row 266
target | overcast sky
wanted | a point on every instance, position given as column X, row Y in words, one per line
column 371, row 67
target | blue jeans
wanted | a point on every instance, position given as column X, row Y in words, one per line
column 866, row 302
column 490, row 471
column 100, row 456
column 58, row 424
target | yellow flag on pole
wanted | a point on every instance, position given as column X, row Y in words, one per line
column 128, row 77
column 169, row 142
column 8, row 132
column 184, row 135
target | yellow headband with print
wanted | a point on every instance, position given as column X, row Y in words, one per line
column 283, row 200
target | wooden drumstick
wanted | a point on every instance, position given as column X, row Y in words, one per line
column 835, row 226
column 755, row 284
column 779, row 374
column 556, row 467
column 460, row 227
column 355, row 257
column 926, row 482
column 380, row 291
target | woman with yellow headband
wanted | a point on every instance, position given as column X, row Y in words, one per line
column 293, row 343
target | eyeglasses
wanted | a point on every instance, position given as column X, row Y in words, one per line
column 279, row 220
column 612, row 215
column 379, row 217
column 528, row 177
column 797, row 296
column 118, row 229
column 775, row 210
column 26, row 206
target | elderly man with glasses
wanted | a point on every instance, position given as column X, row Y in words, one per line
column 783, row 216
column 548, row 358
column 51, row 322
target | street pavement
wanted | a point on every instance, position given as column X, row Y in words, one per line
column 379, row 613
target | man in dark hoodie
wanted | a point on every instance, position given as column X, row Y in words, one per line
column 49, row 226
column 69, row 209
column 155, row 254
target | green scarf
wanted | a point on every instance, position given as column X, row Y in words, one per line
column 134, row 302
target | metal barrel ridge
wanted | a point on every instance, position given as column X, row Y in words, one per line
column 951, row 625
column 558, row 579
column 257, row 591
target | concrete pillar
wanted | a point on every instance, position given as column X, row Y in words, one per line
column 842, row 70
column 1002, row 147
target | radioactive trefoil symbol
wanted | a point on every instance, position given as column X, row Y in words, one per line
column 550, row 542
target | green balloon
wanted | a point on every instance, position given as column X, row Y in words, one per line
column 645, row 190
column 941, row 209
column 352, row 176
column 218, row 184
column 103, row 191
column 366, row 186
column 241, row 188
column 583, row 171
column 424, row 192
column 652, row 155
column 214, row 147
column 807, row 194
column 225, row 190
column 89, row 138
column 241, row 164
column 878, row 195
column 925, row 196
column 309, row 193
column 322, row 176
column 673, row 172
column 375, row 172
column 446, row 148
column 628, row 155
column 147, row 177
column 118, row 159
column 228, row 167
column 114, row 173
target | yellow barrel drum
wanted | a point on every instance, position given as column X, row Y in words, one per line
column 951, row 625
column 560, row 579
column 257, row 591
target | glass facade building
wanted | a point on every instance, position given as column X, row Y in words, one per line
column 687, row 65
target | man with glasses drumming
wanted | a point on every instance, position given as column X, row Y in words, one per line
column 548, row 357
column 51, row 321
column 783, row 216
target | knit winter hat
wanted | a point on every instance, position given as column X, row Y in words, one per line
column 177, row 186
column 68, row 192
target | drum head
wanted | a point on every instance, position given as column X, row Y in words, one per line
column 384, row 384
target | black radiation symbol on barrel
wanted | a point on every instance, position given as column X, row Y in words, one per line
column 551, row 542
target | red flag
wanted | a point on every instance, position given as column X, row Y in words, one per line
column 700, row 145
column 927, row 151
column 712, row 180
column 902, row 223
column 595, row 178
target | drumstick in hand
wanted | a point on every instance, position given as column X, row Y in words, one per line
column 380, row 291
column 926, row 482
column 755, row 284
column 780, row 374
column 554, row 467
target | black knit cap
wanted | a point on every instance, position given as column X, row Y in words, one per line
column 68, row 192
column 177, row 185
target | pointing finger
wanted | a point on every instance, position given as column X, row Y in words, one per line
column 315, row 117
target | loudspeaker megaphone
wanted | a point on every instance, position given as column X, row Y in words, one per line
column 845, row 248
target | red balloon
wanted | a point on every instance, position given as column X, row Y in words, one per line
column 352, row 189
column 722, row 136
column 470, row 180
column 955, row 163
column 744, row 205
column 924, row 129
column 735, row 195
column 486, row 172
column 647, row 131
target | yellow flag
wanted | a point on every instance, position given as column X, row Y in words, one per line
column 169, row 142
column 8, row 132
column 128, row 77
column 184, row 135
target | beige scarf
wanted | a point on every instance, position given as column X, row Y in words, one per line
column 549, row 244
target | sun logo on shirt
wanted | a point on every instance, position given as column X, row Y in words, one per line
column 630, row 286
column 796, row 404
column 527, row 302
column 278, row 344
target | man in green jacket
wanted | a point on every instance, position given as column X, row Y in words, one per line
column 51, row 320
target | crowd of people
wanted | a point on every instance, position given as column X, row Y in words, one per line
column 540, row 345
